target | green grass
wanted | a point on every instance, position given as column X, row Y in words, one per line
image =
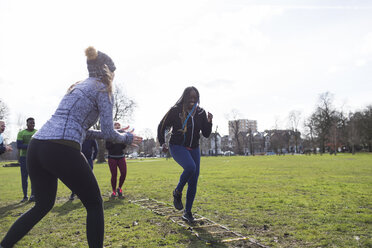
column 282, row 201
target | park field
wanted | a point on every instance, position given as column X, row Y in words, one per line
column 280, row 201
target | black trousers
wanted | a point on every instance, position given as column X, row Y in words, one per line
column 46, row 163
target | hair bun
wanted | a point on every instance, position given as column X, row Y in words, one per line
column 91, row 53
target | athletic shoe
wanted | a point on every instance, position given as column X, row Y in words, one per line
column 120, row 192
column 32, row 198
column 187, row 216
column 113, row 195
column 72, row 197
column 177, row 200
column 24, row 199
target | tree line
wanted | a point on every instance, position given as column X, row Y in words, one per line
column 327, row 129
column 333, row 130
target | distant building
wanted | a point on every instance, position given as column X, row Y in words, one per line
column 283, row 141
column 242, row 125
column 210, row 146
column 226, row 143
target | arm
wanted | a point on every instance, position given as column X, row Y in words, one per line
column 206, row 124
column 107, row 131
column 20, row 144
column 163, row 125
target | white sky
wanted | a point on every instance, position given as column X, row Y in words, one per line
column 262, row 58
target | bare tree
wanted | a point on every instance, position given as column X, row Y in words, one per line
column 123, row 105
column 4, row 110
column 122, row 111
column 21, row 120
column 294, row 119
column 234, row 130
column 148, row 145
column 215, row 142
column 354, row 132
column 365, row 127
column 323, row 118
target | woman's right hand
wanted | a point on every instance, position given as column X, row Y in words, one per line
column 165, row 148
column 136, row 140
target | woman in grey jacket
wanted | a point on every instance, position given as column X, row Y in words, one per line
column 54, row 152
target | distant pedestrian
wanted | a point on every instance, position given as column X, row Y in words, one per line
column 54, row 151
column 186, row 119
column 3, row 147
column 116, row 159
column 90, row 150
column 23, row 138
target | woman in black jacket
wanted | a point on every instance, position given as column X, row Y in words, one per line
column 186, row 119
column 116, row 158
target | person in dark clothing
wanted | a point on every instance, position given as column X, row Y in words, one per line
column 90, row 150
column 3, row 148
column 187, row 120
column 23, row 138
column 54, row 151
column 116, row 159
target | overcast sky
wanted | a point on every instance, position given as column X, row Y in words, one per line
column 262, row 58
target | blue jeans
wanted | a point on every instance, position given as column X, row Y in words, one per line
column 24, row 176
column 190, row 162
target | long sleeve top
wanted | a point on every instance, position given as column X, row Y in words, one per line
column 80, row 109
column 196, row 123
column 115, row 150
column 23, row 138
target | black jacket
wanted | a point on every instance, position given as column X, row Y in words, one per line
column 195, row 124
column 115, row 150
column 2, row 148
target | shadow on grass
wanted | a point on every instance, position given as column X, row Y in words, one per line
column 112, row 202
column 67, row 207
column 4, row 210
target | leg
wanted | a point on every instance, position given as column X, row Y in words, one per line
column 113, row 169
column 193, row 181
column 45, row 186
column 123, row 171
column 83, row 183
column 183, row 157
column 24, row 175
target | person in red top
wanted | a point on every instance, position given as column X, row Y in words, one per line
column 116, row 159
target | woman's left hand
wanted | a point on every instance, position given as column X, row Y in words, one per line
column 210, row 117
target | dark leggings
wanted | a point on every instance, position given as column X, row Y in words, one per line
column 190, row 162
column 46, row 163
column 114, row 163
column 24, row 176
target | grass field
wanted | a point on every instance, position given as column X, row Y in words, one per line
column 282, row 201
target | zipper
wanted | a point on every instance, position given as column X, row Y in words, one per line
column 192, row 130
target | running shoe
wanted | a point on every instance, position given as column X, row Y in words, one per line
column 120, row 192
column 24, row 199
column 113, row 195
column 32, row 198
column 187, row 216
column 177, row 200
